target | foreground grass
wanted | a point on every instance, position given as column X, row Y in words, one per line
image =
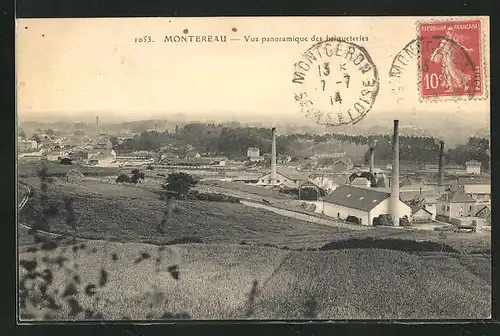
column 127, row 213
column 237, row 282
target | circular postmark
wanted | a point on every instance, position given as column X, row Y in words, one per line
column 336, row 83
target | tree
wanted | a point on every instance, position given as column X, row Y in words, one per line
column 123, row 179
column 36, row 138
column 442, row 237
column 136, row 176
column 66, row 161
column 179, row 183
column 114, row 141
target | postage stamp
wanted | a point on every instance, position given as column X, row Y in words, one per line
column 337, row 82
column 451, row 59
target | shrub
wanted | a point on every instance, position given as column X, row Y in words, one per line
column 66, row 161
column 212, row 197
column 180, row 183
column 123, row 179
column 403, row 221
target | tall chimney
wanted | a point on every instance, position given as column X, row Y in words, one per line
column 372, row 160
column 441, row 164
column 273, row 157
column 394, row 205
column 97, row 125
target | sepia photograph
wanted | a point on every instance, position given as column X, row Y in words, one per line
column 253, row 168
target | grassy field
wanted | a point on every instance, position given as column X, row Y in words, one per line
column 245, row 188
column 237, row 282
column 26, row 169
column 128, row 213
column 233, row 276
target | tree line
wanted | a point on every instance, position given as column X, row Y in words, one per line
column 233, row 142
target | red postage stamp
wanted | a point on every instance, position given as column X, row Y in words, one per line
column 451, row 59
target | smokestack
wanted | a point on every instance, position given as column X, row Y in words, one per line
column 372, row 160
column 273, row 157
column 395, row 175
column 97, row 125
column 441, row 164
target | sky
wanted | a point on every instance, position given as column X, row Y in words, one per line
column 75, row 66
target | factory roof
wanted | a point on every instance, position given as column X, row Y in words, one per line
column 457, row 197
column 356, row 198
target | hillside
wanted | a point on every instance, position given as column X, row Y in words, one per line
column 216, row 283
column 128, row 213
column 131, row 214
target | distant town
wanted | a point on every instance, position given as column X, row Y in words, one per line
column 347, row 177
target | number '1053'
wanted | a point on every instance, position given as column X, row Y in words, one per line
column 145, row 38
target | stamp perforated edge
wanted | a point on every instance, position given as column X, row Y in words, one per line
column 484, row 62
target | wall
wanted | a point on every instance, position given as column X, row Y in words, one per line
column 432, row 209
column 384, row 208
column 462, row 210
column 440, row 211
column 477, row 188
column 333, row 210
column 473, row 170
column 422, row 214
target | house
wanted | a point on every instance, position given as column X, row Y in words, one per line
column 247, row 178
column 103, row 143
column 25, row 145
column 420, row 214
column 362, row 179
column 253, row 155
column 363, row 203
column 53, row 155
column 192, row 155
column 479, row 188
column 455, row 204
column 253, row 152
column 484, row 213
column 134, row 160
column 33, row 155
column 284, row 159
column 288, row 177
column 473, row 167
column 342, row 165
column 329, row 183
column 329, row 155
column 102, row 157
column 103, row 160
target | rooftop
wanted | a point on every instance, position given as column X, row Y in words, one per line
column 457, row 197
column 357, row 198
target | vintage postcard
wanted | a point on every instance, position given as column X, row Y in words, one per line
column 268, row 168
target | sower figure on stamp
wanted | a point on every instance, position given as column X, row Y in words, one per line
column 454, row 78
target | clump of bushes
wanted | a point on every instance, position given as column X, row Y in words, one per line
column 211, row 197
column 405, row 245
column 382, row 220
